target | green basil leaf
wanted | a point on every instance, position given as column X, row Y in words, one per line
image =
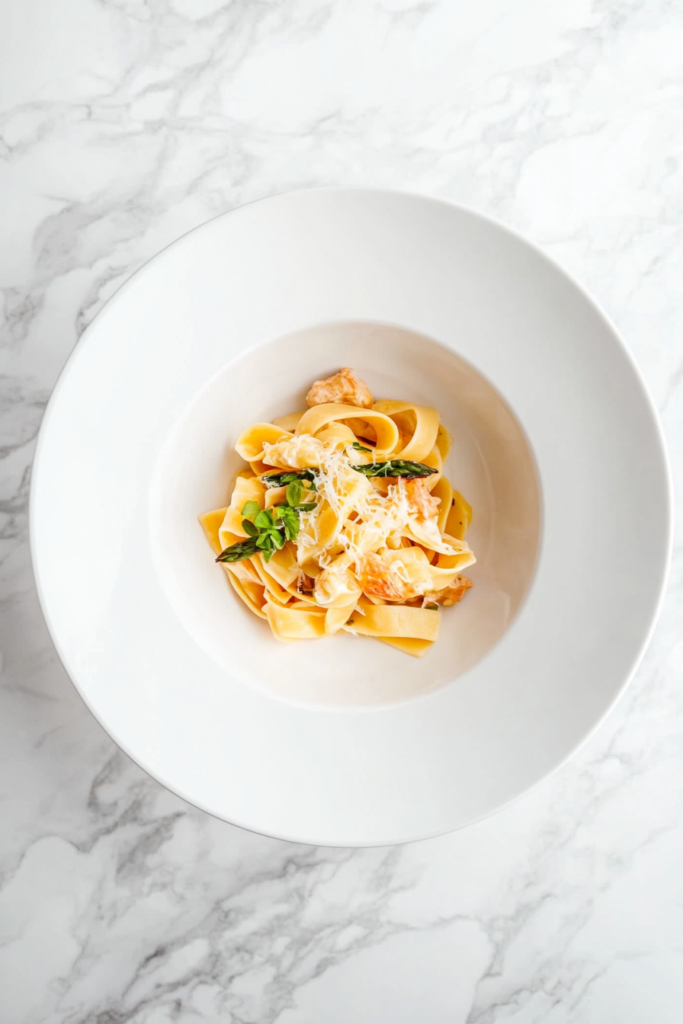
column 292, row 528
column 308, row 507
column 250, row 510
column 249, row 528
column 290, row 520
column 264, row 520
column 294, row 492
column 278, row 539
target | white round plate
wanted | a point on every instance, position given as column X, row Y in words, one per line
column 556, row 444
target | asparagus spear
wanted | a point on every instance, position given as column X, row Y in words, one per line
column 236, row 552
column 396, row 467
column 288, row 477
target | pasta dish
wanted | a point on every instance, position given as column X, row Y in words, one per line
column 344, row 521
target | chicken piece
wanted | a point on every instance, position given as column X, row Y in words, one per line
column 451, row 595
column 377, row 580
column 343, row 387
column 421, row 501
column 392, row 577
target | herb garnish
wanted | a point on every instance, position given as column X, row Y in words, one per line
column 269, row 529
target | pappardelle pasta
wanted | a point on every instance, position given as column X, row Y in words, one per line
column 344, row 521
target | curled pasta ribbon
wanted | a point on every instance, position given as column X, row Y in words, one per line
column 252, row 595
column 418, row 426
column 211, row 523
column 444, row 492
column 288, row 422
column 249, row 445
column 368, row 423
column 459, row 516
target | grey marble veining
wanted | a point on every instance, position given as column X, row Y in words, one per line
column 124, row 123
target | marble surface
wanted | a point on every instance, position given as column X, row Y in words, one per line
column 123, row 123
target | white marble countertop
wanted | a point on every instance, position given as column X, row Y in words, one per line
column 123, row 123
